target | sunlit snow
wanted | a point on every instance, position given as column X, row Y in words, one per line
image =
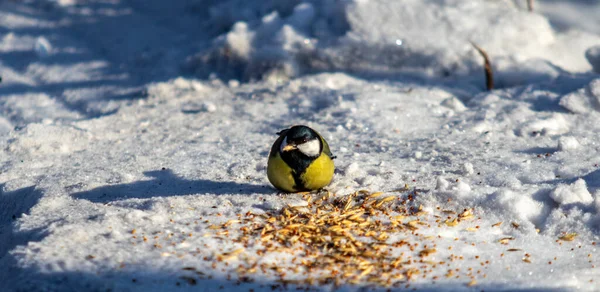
column 130, row 129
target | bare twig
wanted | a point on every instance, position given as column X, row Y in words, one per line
column 530, row 5
column 489, row 75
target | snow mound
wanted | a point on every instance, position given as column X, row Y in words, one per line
column 382, row 38
column 573, row 193
column 567, row 143
column 584, row 100
column 553, row 125
column 517, row 205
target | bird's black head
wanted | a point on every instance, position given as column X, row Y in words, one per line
column 301, row 139
column 301, row 134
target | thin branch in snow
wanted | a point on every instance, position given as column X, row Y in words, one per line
column 489, row 74
column 530, row 5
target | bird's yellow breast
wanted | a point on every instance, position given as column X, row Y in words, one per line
column 317, row 175
column 280, row 174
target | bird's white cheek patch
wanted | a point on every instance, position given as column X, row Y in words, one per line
column 310, row 148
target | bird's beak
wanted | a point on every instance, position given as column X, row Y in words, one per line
column 289, row 147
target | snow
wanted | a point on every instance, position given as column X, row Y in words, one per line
column 566, row 143
column 583, row 100
column 593, row 56
column 574, row 193
column 566, row 15
column 42, row 48
column 129, row 129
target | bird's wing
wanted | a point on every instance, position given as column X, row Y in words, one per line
column 326, row 149
column 277, row 144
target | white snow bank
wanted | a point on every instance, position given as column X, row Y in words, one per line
column 383, row 38
column 571, row 14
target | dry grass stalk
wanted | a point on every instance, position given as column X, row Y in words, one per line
column 489, row 74
column 530, row 5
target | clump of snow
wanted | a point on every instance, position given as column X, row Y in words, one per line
column 518, row 205
column 5, row 126
column 185, row 84
column 576, row 192
column 512, row 72
column 66, row 2
column 594, row 89
column 461, row 188
column 570, row 15
column 209, row 107
column 584, row 100
column 385, row 37
column 458, row 190
column 267, row 49
column 467, row 168
column 239, row 39
column 555, row 124
column 418, row 154
column 593, row 56
column 454, row 104
column 441, row 184
column 233, row 83
column 42, row 47
column 567, row 143
column 597, row 201
column 352, row 169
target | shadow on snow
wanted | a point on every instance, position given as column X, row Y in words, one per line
column 165, row 183
column 12, row 206
column 185, row 280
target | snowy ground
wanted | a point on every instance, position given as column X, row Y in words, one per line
column 131, row 131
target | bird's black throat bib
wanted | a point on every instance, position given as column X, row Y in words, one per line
column 298, row 162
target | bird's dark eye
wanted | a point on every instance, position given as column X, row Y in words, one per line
column 300, row 140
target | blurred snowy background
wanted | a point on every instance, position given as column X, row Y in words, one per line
column 121, row 115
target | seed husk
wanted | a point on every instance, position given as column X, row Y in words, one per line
column 568, row 237
column 337, row 240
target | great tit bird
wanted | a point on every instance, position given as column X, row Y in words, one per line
column 300, row 160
